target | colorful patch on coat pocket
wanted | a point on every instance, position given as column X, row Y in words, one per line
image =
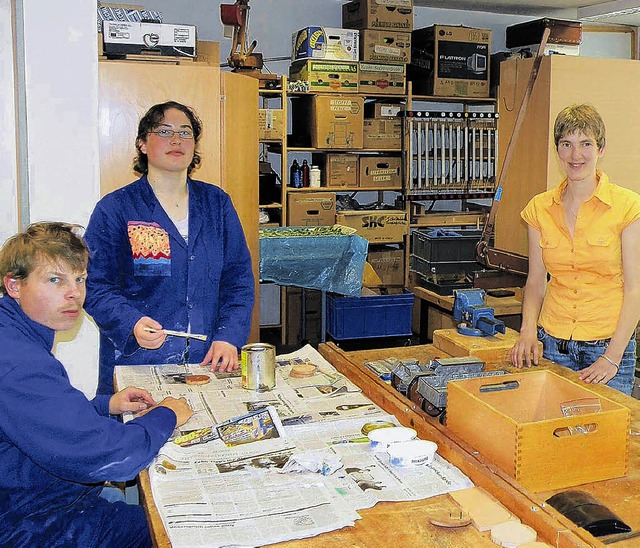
column 150, row 248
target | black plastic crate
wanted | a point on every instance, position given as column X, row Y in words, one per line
column 442, row 252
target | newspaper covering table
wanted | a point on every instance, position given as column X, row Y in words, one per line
column 213, row 495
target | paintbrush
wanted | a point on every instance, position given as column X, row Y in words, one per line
column 177, row 333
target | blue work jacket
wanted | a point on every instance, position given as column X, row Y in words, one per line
column 56, row 446
column 140, row 265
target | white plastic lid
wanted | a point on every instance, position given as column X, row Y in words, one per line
column 381, row 438
column 412, row 453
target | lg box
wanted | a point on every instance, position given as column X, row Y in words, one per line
column 448, row 61
column 122, row 37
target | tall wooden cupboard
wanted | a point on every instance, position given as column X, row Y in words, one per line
column 610, row 85
column 228, row 107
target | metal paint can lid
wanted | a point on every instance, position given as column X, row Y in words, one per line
column 374, row 425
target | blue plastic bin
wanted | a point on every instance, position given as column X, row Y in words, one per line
column 369, row 317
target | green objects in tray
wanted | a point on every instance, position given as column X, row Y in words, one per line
column 305, row 231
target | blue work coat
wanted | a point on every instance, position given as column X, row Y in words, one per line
column 56, row 446
column 140, row 265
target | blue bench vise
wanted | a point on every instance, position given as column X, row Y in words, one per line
column 476, row 319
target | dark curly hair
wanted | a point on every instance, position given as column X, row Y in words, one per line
column 151, row 120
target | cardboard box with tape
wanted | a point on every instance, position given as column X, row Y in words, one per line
column 326, row 76
column 378, row 14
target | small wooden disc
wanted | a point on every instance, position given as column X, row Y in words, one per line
column 197, row 379
column 451, row 521
column 303, row 370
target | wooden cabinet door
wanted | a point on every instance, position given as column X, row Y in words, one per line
column 128, row 89
column 608, row 84
column 229, row 142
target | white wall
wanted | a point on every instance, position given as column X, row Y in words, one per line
column 61, row 75
column 8, row 145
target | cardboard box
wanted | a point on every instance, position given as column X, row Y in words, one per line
column 123, row 37
column 108, row 12
column 378, row 15
column 311, row 209
column 448, row 61
column 339, row 170
column 326, row 76
column 381, row 171
column 388, row 264
column 382, row 110
column 376, row 225
column 328, row 121
column 382, row 134
column 270, row 124
column 562, row 32
column 523, row 431
column 385, row 46
column 382, row 78
column 329, row 44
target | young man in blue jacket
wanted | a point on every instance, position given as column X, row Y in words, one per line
column 57, row 448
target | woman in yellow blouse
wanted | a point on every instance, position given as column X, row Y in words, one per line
column 582, row 296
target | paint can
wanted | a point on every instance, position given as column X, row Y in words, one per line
column 258, row 363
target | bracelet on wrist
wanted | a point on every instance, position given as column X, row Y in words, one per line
column 616, row 365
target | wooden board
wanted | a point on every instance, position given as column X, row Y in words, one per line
column 562, row 81
column 488, row 349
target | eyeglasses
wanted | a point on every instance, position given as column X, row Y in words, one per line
column 168, row 133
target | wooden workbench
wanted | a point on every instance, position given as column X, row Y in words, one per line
column 436, row 311
column 407, row 523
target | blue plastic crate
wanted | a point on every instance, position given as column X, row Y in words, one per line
column 369, row 317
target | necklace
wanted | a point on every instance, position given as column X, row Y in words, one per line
column 172, row 201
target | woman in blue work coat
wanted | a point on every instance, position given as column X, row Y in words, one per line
column 168, row 252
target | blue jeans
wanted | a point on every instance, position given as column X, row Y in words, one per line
column 578, row 355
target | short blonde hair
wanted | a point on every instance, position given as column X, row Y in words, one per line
column 583, row 118
column 46, row 241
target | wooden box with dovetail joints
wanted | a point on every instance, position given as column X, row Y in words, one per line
column 524, row 429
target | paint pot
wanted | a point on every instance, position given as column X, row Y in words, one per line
column 258, row 362
column 412, row 453
column 381, row 438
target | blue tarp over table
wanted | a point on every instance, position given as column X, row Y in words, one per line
column 310, row 258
